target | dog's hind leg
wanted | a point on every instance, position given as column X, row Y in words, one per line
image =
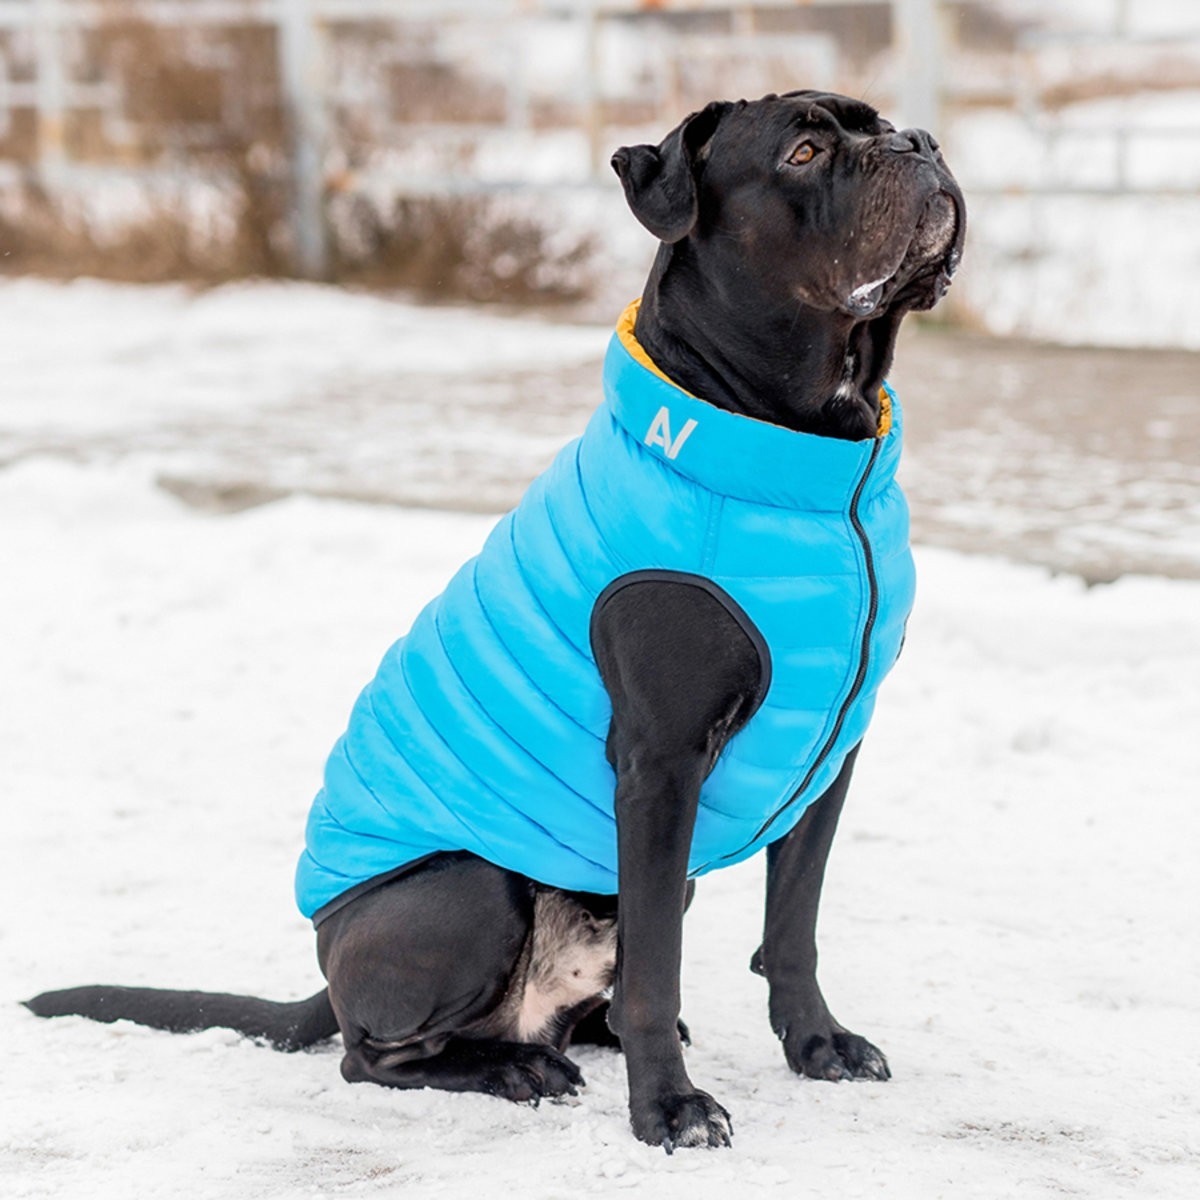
column 422, row 974
column 518, row 1071
column 813, row 1042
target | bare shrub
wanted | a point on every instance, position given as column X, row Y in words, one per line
column 41, row 234
column 479, row 247
column 204, row 133
column 210, row 130
column 436, row 93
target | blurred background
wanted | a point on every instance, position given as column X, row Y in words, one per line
column 406, row 155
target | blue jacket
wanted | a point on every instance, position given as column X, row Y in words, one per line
column 484, row 728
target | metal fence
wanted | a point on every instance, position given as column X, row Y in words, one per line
column 626, row 63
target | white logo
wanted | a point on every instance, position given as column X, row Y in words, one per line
column 660, row 433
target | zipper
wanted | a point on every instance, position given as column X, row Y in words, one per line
column 863, row 657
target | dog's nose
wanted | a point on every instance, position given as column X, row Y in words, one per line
column 910, row 141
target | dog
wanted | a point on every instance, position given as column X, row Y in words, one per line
column 663, row 661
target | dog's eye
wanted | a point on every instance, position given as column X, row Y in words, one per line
column 803, row 153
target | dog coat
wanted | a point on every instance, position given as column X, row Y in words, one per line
column 484, row 729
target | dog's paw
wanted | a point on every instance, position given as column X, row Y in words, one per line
column 688, row 1119
column 530, row 1073
column 834, row 1055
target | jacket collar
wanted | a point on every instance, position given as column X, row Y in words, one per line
column 740, row 456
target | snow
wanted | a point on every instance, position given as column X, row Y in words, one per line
column 255, row 343
column 1006, row 909
column 1006, row 913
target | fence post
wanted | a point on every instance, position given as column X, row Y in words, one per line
column 592, row 115
column 51, row 91
column 299, row 40
column 918, row 38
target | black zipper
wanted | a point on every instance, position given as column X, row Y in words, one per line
column 863, row 658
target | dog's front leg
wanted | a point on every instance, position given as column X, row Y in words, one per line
column 682, row 676
column 656, row 809
column 814, row 1043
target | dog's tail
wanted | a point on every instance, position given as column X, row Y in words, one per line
column 286, row 1026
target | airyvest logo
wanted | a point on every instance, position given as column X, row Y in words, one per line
column 659, row 433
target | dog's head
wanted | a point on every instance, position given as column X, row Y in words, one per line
column 812, row 195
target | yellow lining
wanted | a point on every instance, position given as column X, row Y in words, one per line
column 636, row 351
column 638, row 354
column 885, row 414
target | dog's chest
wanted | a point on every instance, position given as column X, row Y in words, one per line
column 571, row 960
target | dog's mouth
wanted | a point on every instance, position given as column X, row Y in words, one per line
column 930, row 260
column 934, row 236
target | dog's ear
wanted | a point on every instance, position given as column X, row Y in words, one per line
column 660, row 181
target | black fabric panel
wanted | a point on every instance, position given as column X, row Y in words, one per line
column 368, row 885
column 718, row 593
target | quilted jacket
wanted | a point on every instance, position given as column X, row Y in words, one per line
column 484, row 728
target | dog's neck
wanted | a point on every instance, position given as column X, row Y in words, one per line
column 792, row 365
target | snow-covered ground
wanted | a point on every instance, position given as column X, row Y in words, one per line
column 1084, row 460
column 1009, row 910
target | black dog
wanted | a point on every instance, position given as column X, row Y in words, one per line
column 796, row 233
